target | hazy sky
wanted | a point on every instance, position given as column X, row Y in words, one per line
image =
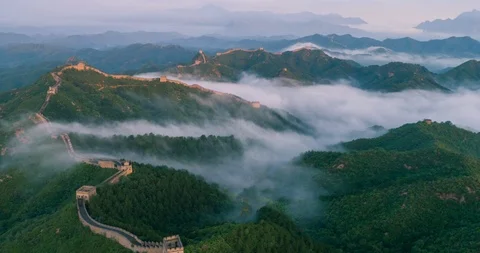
column 393, row 14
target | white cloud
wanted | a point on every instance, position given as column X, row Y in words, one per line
column 380, row 56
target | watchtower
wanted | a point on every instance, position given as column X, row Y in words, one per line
column 172, row 244
column 256, row 104
column 428, row 121
column 126, row 166
column 86, row 192
column 52, row 90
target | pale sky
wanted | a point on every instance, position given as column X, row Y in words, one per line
column 387, row 14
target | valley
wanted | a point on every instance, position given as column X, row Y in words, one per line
column 159, row 142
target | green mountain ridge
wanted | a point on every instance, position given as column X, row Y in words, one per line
column 90, row 96
column 203, row 150
column 311, row 66
column 22, row 64
column 423, row 135
column 466, row 75
column 414, row 189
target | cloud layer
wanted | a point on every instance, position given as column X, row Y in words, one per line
column 337, row 112
column 381, row 55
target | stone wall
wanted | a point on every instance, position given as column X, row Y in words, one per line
column 97, row 229
column 106, row 164
column 83, row 67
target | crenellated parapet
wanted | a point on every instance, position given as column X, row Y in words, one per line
column 82, row 66
column 240, row 49
column 172, row 244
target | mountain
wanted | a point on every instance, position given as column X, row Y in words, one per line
column 22, row 64
column 466, row 75
column 14, row 55
column 203, row 150
column 417, row 184
column 467, row 23
column 13, row 38
column 397, row 76
column 423, row 135
column 453, row 46
column 312, row 66
column 113, row 39
column 136, row 58
column 41, row 215
column 89, row 95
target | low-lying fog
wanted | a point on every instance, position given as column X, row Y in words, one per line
column 337, row 112
column 381, row 56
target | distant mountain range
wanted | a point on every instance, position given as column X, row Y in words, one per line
column 315, row 66
column 467, row 23
column 453, row 46
column 22, row 64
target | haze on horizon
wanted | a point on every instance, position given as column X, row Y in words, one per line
column 128, row 15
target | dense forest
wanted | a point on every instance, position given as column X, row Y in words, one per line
column 414, row 197
column 156, row 201
column 37, row 210
column 205, row 149
column 407, row 196
column 89, row 97
column 312, row 67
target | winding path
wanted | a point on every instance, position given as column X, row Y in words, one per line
column 125, row 238
column 82, row 211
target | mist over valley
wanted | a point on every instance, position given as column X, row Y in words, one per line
column 239, row 127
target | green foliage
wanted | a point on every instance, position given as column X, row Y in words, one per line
column 272, row 232
column 423, row 136
column 205, row 149
column 415, row 189
column 397, row 76
column 22, row 64
column 156, row 201
column 37, row 211
column 28, row 194
column 87, row 96
column 313, row 66
column 465, row 75
column 24, row 75
column 26, row 100
column 58, row 232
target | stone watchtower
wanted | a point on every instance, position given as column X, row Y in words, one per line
column 52, row 90
column 86, row 192
column 172, row 244
column 125, row 166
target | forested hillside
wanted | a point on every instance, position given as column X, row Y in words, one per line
column 177, row 202
column 37, row 210
column 414, row 189
column 205, row 149
column 423, row 135
column 22, row 64
column 88, row 96
column 466, row 75
column 311, row 66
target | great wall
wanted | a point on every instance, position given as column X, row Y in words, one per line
column 171, row 244
column 240, row 49
column 81, row 66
